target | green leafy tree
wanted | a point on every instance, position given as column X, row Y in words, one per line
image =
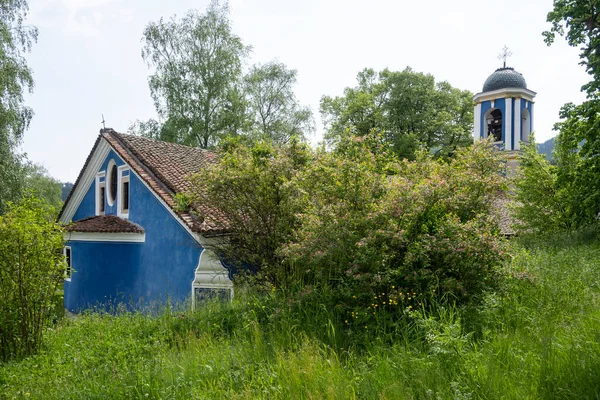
column 410, row 108
column 272, row 104
column 31, row 268
column 196, row 82
column 253, row 189
column 542, row 204
column 16, row 39
column 578, row 143
column 41, row 185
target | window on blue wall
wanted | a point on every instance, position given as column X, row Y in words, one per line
column 68, row 269
column 126, row 197
column 113, row 183
column 101, row 198
column 100, row 193
column 124, row 186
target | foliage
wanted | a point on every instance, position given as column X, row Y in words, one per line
column 536, row 339
column 197, row 64
column 16, row 39
column 272, row 105
column 41, row 185
column 424, row 231
column 542, row 204
column 182, row 202
column 254, row 191
column 31, row 268
column 12, row 176
column 579, row 22
column 409, row 107
column 578, row 143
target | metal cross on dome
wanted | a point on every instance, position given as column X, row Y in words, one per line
column 504, row 55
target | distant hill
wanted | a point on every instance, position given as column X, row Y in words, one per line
column 547, row 148
column 66, row 189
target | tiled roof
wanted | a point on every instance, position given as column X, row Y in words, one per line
column 104, row 223
column 164, row 167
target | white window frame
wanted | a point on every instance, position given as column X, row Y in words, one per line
column 99, row 185
column 120, row 181
column 110, row 200
column 69, row 270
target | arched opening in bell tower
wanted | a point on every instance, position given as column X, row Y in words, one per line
column 493, row 123
column 525, row 125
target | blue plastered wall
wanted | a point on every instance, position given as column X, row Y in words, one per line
column 139, row 274
column 502, row 105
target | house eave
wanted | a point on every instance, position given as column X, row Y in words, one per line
column 505, row 93
column 121, row 237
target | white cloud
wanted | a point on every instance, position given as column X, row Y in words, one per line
column 77, row 17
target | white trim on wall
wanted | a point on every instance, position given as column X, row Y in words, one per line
column 503, row 93
column 120, row 181
column 99, row 186
column 517, row 124
column 507, row 121
column 111, row 197
column 125, row 237
column 477, row 123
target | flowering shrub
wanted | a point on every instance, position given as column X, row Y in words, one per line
column 254, row 191
column 370, row 234
column 389, row 234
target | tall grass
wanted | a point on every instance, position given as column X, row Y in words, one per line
column 538, row 338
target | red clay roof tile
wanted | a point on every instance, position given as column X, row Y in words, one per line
column 165, row 167
column 104, row 223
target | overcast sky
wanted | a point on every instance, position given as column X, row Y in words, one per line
column 87, row 60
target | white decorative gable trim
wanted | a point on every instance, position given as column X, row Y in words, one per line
column 88, row 176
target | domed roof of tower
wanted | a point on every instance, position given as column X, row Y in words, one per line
column 504, row 78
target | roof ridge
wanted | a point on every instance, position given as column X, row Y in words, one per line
column 132, row 152
column 173, row 144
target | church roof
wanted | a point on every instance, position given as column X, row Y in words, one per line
column 164, row 168
column 504, row 78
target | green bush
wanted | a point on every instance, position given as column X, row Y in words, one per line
column 31, row 268
column 257, row 197
column 543, row 204
column 391, row 235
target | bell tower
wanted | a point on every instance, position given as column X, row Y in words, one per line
column 504, row 110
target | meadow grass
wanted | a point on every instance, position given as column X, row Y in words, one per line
column 539, row 338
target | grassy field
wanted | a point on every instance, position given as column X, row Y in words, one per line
column 539, row 338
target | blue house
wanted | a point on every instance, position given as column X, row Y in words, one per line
column 126, row 238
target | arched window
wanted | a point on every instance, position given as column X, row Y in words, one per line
column 493, row 123
column 525, row 125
